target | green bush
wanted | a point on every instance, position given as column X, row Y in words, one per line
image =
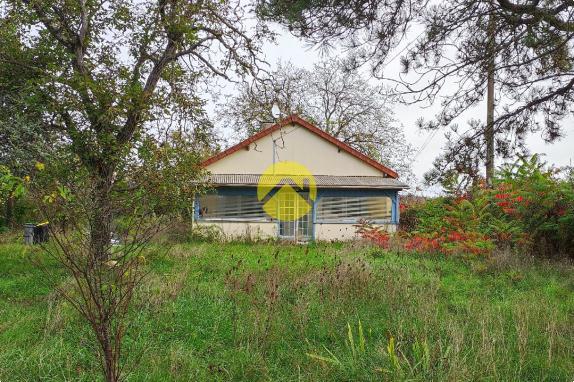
column 539, row 202
column 11, row 188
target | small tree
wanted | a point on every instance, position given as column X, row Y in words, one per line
column 158, row 184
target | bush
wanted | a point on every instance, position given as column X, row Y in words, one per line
column 377, row 235
column 538, row 203
column 530, row 209
column 447, row 225
column 409, row 208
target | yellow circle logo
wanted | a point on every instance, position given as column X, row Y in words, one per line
column 287, row 190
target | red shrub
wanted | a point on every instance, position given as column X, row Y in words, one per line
column 422, row 244
column 372, row 233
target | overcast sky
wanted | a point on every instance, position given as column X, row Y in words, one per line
column 428, row 145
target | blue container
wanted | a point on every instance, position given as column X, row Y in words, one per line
column 29, row 233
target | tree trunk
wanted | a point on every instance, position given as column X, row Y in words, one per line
column 10, row 211
column 109, row 354
column 102, row 215
column 489, row 132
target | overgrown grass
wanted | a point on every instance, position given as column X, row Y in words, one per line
column 251, row 312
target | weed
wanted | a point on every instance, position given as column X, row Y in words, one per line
column 326, row 312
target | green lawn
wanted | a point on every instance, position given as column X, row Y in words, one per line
column 253, row 312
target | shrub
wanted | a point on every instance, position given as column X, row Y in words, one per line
column 410, row 207
column 529, row 209
column 447, row 225
column 370, row 232
column 538, row 203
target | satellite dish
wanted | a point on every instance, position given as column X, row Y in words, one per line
column 275, row 111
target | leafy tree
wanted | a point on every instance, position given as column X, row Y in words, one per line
column 10, row 187
column 108, row 70
column 24, row 137
column 530, row 44
column 533, row 76
column 334, row 97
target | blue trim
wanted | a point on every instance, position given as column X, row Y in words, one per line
column 196, row 208
column 352, row 192
column 397, row 212
column 234, row 191
column 313, row 218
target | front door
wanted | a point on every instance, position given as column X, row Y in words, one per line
column 299, row 229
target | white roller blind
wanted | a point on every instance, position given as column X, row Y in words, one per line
column 230, row 207
column 352, row 209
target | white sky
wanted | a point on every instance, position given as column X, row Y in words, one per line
column 289, row 48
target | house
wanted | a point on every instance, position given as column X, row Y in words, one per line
column 294, row 181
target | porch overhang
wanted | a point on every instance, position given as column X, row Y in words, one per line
column 321, row 181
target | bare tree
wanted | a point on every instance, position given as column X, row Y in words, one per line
column 334, row 97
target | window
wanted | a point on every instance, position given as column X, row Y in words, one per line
column 352, row 209
column 233, row 207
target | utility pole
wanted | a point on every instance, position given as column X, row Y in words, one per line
column 489, row 131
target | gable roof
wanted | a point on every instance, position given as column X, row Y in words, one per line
column 295, row 119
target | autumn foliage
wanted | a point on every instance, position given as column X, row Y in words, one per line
column 529, row 210
column 373, row 233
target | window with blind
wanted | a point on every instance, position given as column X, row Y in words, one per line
column 231, row 207
column 333, row 209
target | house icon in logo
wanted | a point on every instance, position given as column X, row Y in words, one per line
column 287, row 190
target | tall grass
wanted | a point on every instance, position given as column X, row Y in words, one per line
column 254, row 312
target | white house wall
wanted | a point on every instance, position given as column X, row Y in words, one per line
column 244, row 230
column 268, row 230
column 293, row 143
column 341, row 232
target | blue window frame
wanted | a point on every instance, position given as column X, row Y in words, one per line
column 230, row 204
column 331, row 206
column 348, row 206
